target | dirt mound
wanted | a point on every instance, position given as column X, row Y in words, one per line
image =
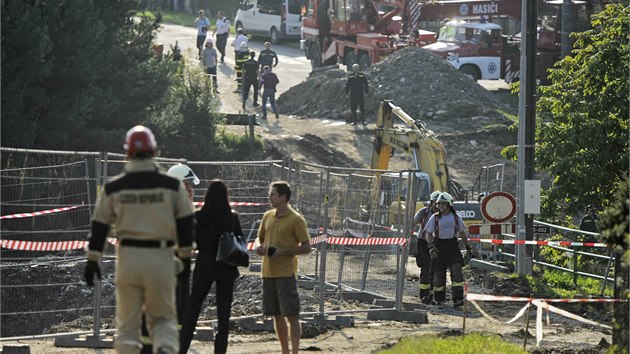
column 423, row 85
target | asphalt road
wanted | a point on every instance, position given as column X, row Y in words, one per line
column 293, row 67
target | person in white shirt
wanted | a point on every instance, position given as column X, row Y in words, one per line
column 236, row 43
column 202, row 29
column 222, row 30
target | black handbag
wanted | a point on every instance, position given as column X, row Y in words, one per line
column 232, row 249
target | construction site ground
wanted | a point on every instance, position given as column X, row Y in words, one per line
column 465, row 117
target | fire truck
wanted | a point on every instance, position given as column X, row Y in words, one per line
column 357, row 31
column 480, row 48
column 473, row 35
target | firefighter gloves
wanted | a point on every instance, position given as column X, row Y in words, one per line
column 92, row 269
column 433, row 251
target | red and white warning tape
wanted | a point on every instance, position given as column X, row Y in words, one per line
column 237, row 204
column 38, row 213
column 491, row 229
column 485, row 297
column 371, row 241
column 539, row 243
column 540, row 304
column 42, row 246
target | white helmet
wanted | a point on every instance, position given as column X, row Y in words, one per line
column 183, row 173
column 435, row 195
column 445, row 197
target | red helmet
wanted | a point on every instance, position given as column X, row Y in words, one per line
column 139, row 139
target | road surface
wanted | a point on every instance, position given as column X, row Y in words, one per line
column 293, row 67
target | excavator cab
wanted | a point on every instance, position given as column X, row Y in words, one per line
column 394, row 191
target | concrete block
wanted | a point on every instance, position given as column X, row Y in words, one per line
column 251, row 325
column 16, row 349
column 90, row 341
column 360, row 296
column 204, row 334
column 402, row 316
column 408, row 306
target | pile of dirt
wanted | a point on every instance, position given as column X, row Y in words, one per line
column 424, row 86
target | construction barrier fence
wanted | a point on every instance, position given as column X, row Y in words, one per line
column 47, row 198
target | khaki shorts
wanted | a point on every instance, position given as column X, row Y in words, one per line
column 280, row 297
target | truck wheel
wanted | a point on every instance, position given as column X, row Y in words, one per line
column 350, row 60
column 471, row 72
column 364, row 62
column 274, row 36
column 316, row 56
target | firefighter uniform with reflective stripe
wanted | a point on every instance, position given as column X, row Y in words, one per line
column 241, row 57
column 152, row 213
column 445, row 229
column 423, row 260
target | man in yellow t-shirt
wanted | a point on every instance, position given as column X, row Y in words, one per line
column 282, row 236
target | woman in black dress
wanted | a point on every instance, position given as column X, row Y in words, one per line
column 214, row 218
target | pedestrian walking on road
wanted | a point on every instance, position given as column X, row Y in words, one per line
column 222, row 30
column 250, row 78
column 357, row 86
column 282, row 236
column 268, row 57
column 213, row 219
column 423, row 259
column 209, row 60
column 442, row 230
column 268, row 83
column 152, row 213
column 203, row 24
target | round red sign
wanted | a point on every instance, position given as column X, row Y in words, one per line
column 498, row 207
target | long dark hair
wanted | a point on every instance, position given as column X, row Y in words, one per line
column 216, row 209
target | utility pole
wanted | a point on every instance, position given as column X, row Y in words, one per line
column 526, row 131
column 567, row 27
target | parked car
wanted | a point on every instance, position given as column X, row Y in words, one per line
column 273, row 19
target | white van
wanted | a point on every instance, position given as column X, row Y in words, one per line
column 274, row 19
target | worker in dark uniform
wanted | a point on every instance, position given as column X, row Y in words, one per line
column 589, row 223
column 250, row 78
column 242, row 55
column 357, row 87
column 441, row 231
column 423, row 259
column 152, row 213
column 268, row 57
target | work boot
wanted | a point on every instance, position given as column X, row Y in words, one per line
column 256, row 104
column 364, row 122
column 425, row 296
column 277, row 116
column 458, row 302
column 353, row 124
column 439, row 297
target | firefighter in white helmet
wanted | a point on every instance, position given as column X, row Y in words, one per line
column 151, row 212
column 182, row 290
column 441, row 231
column 186, row 175
column 423, row 259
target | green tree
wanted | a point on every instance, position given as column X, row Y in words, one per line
column 77, row 74
column 582, row 129
column 615, row 225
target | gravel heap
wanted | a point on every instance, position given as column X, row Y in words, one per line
column 423, row 85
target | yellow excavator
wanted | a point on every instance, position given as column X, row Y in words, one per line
column 429, row 157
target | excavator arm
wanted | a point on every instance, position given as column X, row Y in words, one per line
column 428, row 152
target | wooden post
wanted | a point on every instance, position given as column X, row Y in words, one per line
column 529, row 312
column 464, row 320
column 251, row 119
